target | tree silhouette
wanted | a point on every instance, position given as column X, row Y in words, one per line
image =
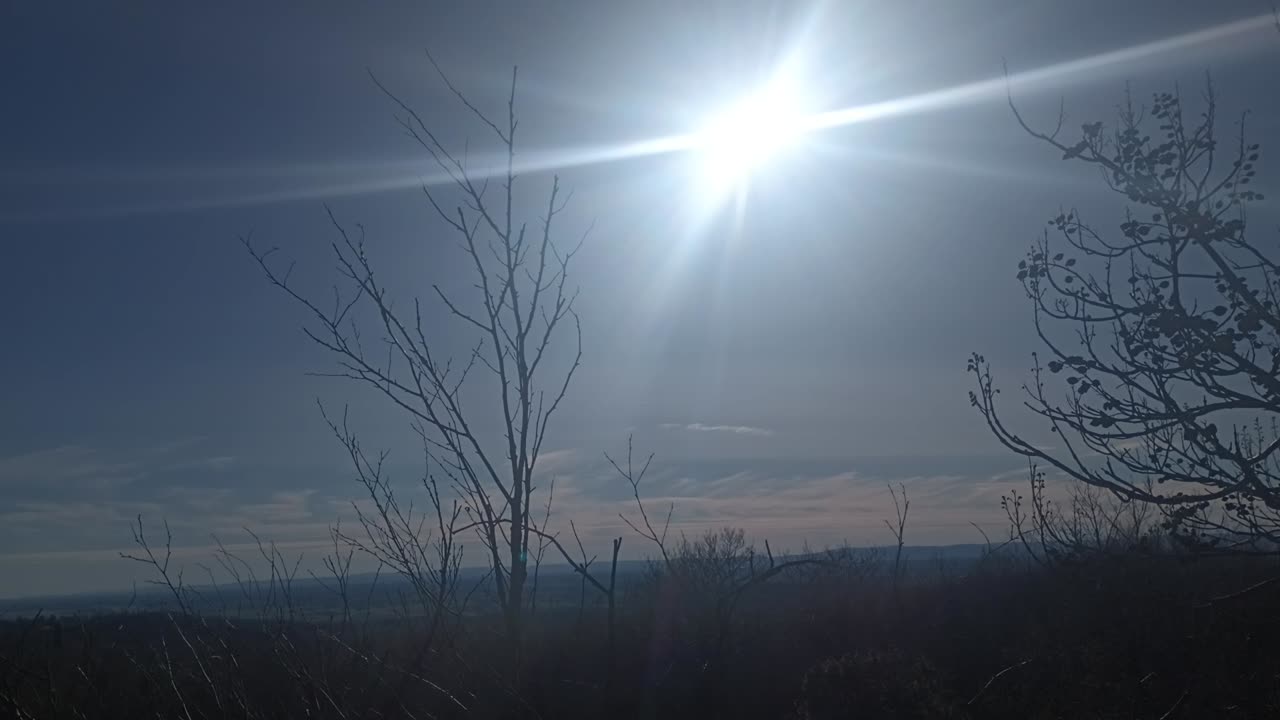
column 523, row 303
column 1161, row 377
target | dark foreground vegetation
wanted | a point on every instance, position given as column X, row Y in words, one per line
column 1115, row 627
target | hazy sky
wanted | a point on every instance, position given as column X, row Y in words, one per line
column 785, row 362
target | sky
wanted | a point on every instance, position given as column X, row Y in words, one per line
column 785, row 356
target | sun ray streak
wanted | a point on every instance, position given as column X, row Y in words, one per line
column 968, row 93
column 1214, row 37
column 997, row 87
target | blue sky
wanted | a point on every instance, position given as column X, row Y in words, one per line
column 784, row 363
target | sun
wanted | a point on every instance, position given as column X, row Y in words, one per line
column 747, row 136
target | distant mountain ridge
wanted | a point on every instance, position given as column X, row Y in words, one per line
column 152, row 598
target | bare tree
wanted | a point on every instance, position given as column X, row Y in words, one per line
column 712, row 572
column 170, row 579
column 634, row 478
column 523, row 302
column 422, row 548
column 1088, row 524
column 898, row 527
column 1165, row 335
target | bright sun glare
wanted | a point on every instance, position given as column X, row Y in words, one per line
column 743, row 139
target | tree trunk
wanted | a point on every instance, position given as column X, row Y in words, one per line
column 514, row 610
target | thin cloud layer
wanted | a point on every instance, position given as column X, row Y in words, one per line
column 788, row 501
column 732, row 429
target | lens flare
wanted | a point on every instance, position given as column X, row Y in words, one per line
column 752, row 132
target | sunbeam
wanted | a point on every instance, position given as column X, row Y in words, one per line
column 969, row 93
column 1033, row 79
column 1215, row 37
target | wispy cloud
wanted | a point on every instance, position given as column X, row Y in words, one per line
column 732, row 429
column 78, row 497
column 68, row 467
column 551, row 462
column 791, row 509
column 214, row 463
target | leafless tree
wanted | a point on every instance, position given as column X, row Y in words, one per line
column 166, row 577
column 901, row 506
column 523, row 304
column 266, row 656
column 398, row 536
column 634, row 478
column 1166, row 335
column 713, row 571
column 1087, row 524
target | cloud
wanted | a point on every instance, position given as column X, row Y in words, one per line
column 75, row 468
column 790, row 503
column 64, row 468
column 733, row 429
column 57, row 501
column 557, row 461
column 73, row 497
column 215, row 463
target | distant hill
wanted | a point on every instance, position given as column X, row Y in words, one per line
column 558, row 584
